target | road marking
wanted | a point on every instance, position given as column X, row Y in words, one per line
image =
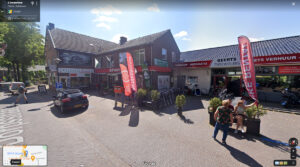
column 11, row 125
column 278, row 142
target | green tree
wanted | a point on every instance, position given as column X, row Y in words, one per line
column 25, row 46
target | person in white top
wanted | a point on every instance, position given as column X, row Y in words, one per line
column 240, row 110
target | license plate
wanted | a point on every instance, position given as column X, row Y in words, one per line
column 77, row 105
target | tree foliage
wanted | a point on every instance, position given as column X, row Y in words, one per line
column 25, row 46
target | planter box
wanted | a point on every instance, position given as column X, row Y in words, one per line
column 212, row 121
column 253, row 126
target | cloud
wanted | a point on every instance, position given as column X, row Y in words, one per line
column 107, row 10
column 181, row 34
column 116, row 38
column 186, row 39
column 153, row 8
column 256, row 39
column 105, row 19
column 103, row 25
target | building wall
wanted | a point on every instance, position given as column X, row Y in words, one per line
column 167, row 41
column 203, row 74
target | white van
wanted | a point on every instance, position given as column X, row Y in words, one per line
column 13, row 88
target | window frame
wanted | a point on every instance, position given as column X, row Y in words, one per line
column 162, row 54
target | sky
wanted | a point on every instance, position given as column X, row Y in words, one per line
column 194, row 26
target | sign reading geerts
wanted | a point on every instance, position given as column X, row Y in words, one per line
column 76, row 72
column 226, row 62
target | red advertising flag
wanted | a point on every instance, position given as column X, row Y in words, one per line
column 247, row 67
column 126, row 80
column 131, row 71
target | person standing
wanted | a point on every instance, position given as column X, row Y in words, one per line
column 223, row 117
column 21, row 91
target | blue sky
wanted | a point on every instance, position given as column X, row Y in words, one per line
column 194, row 28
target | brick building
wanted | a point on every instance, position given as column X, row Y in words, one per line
column 70, row 56
column 153, row 58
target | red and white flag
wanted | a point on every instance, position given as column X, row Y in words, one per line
column 126, row 80
column 247, row 67
column 131, row 71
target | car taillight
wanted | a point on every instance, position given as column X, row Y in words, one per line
column 66, row 100
column 84, row 96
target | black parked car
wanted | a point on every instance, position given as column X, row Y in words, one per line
column 68, row 99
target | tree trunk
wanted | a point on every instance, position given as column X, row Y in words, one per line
column 14, row 70
column 24, row 78
column 18, row 71
column 8, row 76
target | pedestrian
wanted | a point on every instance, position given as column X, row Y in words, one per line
column 223, row 117
column 240, row 111
column 21, row 91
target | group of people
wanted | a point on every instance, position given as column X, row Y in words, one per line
column 226, row 114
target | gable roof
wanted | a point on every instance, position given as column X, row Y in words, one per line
column 279, row 46
column 148, row 39
column 67, row 40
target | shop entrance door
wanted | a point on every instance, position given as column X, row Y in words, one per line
column 64, row 81
column 220, row 82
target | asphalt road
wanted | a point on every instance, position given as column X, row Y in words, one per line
column 104, row 137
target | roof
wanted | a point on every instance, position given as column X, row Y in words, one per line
column 72, row 41
column 279, row 46
column 148, row 39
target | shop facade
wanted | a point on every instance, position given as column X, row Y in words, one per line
column 70, row 57
column 277, row 66
column 153, row 57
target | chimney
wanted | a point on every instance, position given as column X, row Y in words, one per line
column 123, row 40
column 51, row 26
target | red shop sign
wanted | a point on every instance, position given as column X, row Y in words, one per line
column 276, row 59
column 107, row 70
column 194, row 64
column 73, row 75
column 289, row 70
column 159, row 69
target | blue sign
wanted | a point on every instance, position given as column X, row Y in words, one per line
column 58, row 85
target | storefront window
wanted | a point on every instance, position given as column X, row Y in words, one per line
column 218, row 71
column 139, row 57
column 278, row 83
column 77, row 82
column 265, row 70
column 191, row 80
column 164, row 53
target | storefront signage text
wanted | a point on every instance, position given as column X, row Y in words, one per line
column 276, row 59
column 75, row 70
column 289, row 70
column 194, row 64
column 107, row 70
column 161, row 63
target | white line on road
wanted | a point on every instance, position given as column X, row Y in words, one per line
column 11, row 126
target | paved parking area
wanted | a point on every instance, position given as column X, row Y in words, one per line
column 102, row 136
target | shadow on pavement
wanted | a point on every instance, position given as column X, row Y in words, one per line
column 192, row 103
column 67, row 113
column 241, row 156
column 185, row 120
column 282, row 146
column 134, row 117
column 33, row 97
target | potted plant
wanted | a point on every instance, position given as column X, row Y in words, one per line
column 214, row 103
column 253, row 121
column 155, row 99
column 141, row 94
column 180, row 102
